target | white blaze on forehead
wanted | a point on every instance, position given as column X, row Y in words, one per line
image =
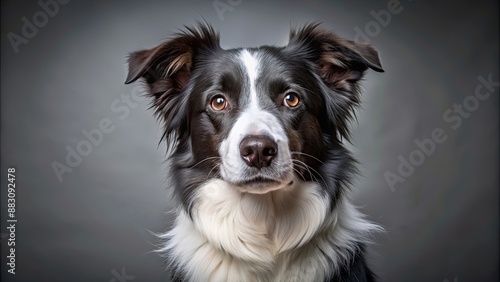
column 253, row 120
column 251, row 64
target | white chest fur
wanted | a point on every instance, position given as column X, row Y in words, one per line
column 285, row 235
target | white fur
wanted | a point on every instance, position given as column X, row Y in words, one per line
column 284, row 235
column 251, row 65
column 233, row 168
column 255, row 121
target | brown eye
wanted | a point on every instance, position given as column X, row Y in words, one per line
column 291, row 100
column 218, row 103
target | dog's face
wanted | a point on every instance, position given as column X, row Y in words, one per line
column 258, row 118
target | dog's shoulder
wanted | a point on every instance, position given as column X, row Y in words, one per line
column 357, row 271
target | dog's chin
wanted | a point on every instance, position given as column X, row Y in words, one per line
column 262, row 185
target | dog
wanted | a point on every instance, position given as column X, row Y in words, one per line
column 259, row 168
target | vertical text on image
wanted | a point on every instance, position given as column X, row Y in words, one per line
column 11, row 220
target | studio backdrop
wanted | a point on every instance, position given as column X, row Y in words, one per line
column 82, row 148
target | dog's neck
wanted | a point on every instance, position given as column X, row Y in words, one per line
column 284, row 235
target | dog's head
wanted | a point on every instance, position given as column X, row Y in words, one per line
column 257, row 118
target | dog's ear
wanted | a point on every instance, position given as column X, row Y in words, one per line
column 167, row 68
column 340, row 63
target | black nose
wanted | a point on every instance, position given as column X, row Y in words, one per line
column 258, row 150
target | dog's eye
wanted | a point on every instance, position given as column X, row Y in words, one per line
column 218, row 103
column 291, row 100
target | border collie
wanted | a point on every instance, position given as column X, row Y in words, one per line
column 258, row 164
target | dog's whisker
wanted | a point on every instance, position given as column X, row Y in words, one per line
column 208, row 174
column 298, row 172
column 204, row 160
column 307, row 155
column 303, row 166
column 309, row 168
column 217, row 173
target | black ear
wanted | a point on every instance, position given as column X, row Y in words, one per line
column 167, row 68
column 340, row 63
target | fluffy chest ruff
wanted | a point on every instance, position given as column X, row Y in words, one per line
column 285, row 235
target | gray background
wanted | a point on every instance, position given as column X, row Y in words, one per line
column 442, row 222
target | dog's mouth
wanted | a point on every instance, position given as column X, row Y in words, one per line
column 261, row 185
